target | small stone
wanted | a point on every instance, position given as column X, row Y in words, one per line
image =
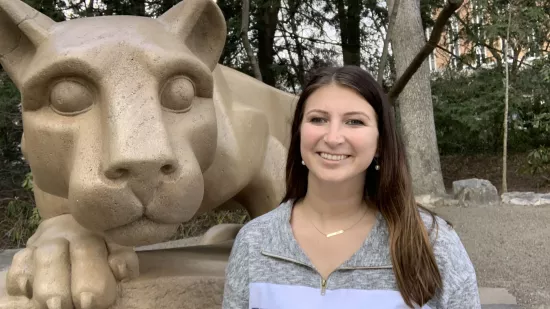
column 431, row 201
column 525, row 199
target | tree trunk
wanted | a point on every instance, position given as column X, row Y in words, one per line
column 384, row 58
column 139, row 7
column 415, row 108
column 507, row 86
column 246, row 43
column 90, row 8
column 350, row 30
column 300, row 68
column 267, row 19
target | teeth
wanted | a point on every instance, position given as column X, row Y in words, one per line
column 332, row 157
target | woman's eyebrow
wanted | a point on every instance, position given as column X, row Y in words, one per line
column 357, row 113
column 317, row 111
column 352, row 113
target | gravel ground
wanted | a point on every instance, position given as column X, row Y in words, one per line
column 509, row 247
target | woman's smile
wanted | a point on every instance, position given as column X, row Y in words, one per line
column 332, row 157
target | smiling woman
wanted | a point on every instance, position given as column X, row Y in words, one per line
column 348, row 232
column 339, row 134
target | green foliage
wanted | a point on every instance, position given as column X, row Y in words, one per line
column 23, row 218
column 12, row 166
column 19, row 217
column 205, row 221
column 538, row 162
column 51, row 8
column 27, row 183
column 469, row 111
column 487, row 23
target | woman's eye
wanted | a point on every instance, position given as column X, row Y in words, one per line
column 317, row 120
column 356, row 122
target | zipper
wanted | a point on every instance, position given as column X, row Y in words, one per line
column 323, row 286
column 324, row 282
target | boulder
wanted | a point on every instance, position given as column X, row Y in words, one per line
column 475, row 191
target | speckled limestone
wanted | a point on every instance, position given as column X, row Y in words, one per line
column 131, row 127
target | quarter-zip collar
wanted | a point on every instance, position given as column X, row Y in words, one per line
column 373, row 254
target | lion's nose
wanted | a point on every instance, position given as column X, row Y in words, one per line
column 142, row 169
column 136, row 142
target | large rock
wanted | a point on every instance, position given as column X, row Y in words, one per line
column 475, row 192
column 526, row 199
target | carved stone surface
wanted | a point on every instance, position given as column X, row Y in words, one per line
column 130, row 127
column 191, row 277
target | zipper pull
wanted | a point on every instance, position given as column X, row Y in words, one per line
column 323, row 286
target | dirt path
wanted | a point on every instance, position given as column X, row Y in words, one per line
column 510, row 248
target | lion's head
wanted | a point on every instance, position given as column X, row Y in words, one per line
column 118, row 114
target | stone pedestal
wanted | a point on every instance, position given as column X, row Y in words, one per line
column 179, row 278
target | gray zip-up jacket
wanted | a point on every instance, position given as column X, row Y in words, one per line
column 268, row 270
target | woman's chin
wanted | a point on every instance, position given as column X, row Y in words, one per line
column 335, row 177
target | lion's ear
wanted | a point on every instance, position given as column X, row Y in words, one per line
column 201, row 25
column 22, row 29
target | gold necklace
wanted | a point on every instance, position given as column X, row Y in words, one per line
column 339, row 231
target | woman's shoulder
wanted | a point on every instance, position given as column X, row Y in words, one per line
column 451, row 256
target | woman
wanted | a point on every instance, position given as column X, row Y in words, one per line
column 348, row 233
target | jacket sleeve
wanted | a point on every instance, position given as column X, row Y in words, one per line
column 236, row 294
column 465, row 296
column 459, row 290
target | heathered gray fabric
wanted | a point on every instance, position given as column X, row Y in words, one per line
column 266, row 251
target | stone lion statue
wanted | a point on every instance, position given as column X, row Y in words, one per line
column 131, row 127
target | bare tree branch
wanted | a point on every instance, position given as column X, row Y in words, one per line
column 431, row 44
column 312, row 40
column 456, row 57
column 495, row 52
column 384, row 57
column 293, row 9
column 246, row 43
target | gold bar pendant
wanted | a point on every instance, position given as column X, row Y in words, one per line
column 335, row 233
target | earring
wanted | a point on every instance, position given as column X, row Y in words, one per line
column 303, row 163
column 376, row 166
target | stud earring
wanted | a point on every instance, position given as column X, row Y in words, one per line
column 303, row 163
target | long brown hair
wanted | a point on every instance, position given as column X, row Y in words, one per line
column 389, row 189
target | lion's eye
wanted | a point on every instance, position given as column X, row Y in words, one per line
column 178, row 94
column 69, row 97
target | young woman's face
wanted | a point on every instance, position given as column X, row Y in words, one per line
column 339, row 134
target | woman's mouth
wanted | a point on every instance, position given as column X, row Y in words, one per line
column 332, row 157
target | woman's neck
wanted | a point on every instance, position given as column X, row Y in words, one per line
column 329, row 201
